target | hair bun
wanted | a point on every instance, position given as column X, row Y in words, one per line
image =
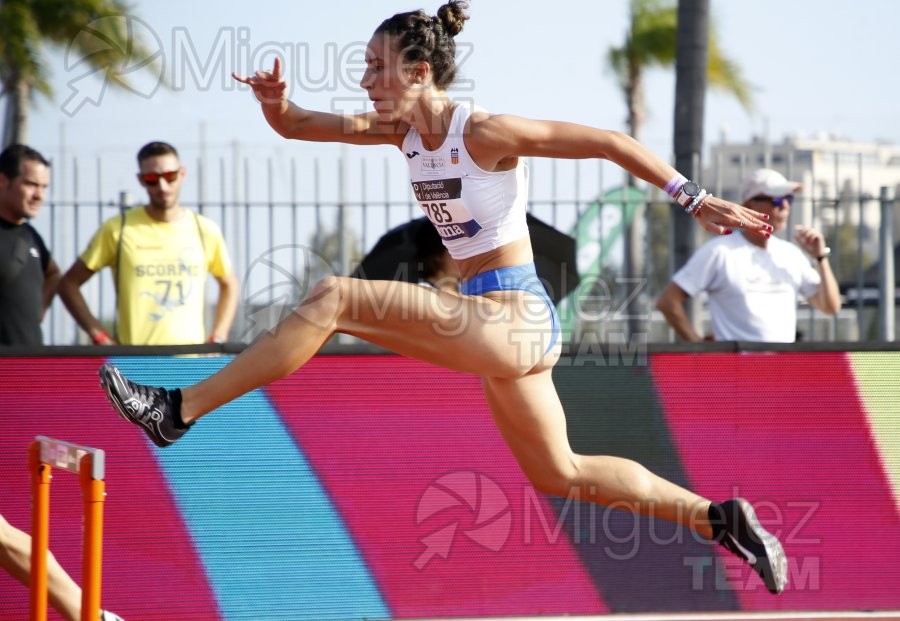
column 453, row 15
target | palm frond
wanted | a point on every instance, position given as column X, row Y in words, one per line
column 651, row 41
column 725, row 74
column 20, row 48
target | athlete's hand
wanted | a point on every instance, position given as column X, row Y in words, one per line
column 722, row 217
column 268, row 86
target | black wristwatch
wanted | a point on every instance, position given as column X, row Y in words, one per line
column 825, row 254
column 689, row 191
column 690, row 188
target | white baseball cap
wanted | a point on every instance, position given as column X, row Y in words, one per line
column 767, row 182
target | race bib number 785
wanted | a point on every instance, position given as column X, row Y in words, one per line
column 441, row 201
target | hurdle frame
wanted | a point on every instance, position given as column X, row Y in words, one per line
column 89, row 463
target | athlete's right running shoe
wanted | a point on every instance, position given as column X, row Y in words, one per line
column 150, row 408
column 106, row 615
column 744, row 536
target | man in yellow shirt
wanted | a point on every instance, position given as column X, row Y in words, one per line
column 160, row 255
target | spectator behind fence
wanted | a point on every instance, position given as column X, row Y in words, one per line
column 160, row 255
column 752, row 281
column 28, row 273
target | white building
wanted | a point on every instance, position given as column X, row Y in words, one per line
column 841, row 179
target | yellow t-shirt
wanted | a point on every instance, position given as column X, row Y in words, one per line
column 162, row 274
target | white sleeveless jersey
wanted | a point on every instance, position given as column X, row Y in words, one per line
column 473, row 210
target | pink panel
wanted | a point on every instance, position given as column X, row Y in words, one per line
column 787, row 432
column 409, row 502
column 142, row 526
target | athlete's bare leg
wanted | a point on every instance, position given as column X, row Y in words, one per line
column 64, row 594
column 503, row 341
column 501, row 336
column 477, row 335
column 530, row 417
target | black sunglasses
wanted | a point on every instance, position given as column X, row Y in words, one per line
column 153, row 178
column 777, row 201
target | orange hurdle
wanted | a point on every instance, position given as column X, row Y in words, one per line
column 44, row 454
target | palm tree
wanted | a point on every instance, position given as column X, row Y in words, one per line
column 651, row 41
column 691, row 71
column 26, row 25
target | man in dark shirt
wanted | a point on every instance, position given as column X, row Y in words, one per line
column 28, row 274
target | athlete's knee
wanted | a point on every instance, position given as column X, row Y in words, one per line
column 327, row 290
column 324, row 303
column 555, row 479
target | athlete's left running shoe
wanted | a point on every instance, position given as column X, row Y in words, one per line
column 744, row 536
column 150, row 408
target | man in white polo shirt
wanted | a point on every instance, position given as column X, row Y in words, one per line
column 751, row 280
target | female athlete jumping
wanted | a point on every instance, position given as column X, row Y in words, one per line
column 468, row 174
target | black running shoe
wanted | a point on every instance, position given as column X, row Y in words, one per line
column 150, row 408
column 744, row 536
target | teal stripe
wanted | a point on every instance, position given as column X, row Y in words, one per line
column 257, row 513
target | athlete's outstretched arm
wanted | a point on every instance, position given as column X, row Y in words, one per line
column 292, row 121
column 493, row 139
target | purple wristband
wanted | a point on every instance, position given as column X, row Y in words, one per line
column 674, row 186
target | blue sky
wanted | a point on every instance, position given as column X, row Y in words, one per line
column 817, row 66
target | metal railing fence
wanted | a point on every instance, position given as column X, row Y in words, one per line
column 280, row 216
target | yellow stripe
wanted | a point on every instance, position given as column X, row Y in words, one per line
column 878, row 379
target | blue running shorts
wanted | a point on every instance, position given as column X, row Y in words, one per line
column 515, row 278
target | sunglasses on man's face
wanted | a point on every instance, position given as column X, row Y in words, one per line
column 777, row 201
column 153, row 178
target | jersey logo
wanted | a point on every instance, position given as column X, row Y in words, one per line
column 432, row 165
column 412, row 155
column 454, row 156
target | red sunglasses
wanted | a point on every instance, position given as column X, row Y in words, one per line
column 153, row 178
